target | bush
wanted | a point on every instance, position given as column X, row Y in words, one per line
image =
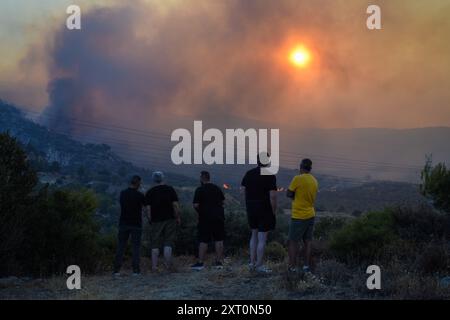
column 333, row 272
column 237, row 231
column 326, row 226
column 275, row 251
column 433, row 258
column 436, row 184
column 17, row 182
column 62, row 232
column 365, row 237
column 421, row 224
column 186, row 243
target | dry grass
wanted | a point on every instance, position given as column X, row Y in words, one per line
column 332, row 280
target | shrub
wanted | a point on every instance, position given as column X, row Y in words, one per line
column 433, row 258
column 421, row 224
column 436, row 184
column 62, row 231
column 364, row 238
column 17, row 182
column 237, row 231
column 333, row 272
column 275, row 251
column 186, row 242
column 326, row 226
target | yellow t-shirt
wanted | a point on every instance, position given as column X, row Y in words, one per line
column 305, row 187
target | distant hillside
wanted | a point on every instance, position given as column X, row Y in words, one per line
column 70, row 157
column 65, row 162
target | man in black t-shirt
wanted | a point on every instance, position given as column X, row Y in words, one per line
column 208, row 202
column 261, row 204
column 130, row 224
column 164, row 215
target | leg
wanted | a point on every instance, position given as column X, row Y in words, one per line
column 219, row 251
column 168, row 256
column 202, row 249
column 307, row 250
column 136, row 238
column 262, row 238
column 253, row 246
column 307, row 240
column 294, row 237
column 293, row 253
column 170, row 236
column 155, row 254
column 122, row 239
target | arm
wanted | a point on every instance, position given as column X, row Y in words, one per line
column 176, row 209
column 290, row 194
column 273, row 201
column 148, row 211
column 197, row 200
column 196, row 206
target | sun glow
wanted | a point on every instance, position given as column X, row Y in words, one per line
column 300, row 57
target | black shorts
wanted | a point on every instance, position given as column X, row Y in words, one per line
column 213, row 230
column 260, row 217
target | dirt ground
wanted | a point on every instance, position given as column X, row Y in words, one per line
column 235, row 281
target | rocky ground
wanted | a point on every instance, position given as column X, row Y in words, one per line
column 235, row 281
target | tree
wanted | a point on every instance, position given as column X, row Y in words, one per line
column 17, row 182
column 63, row 232
column 42, row 231
column 436, row 184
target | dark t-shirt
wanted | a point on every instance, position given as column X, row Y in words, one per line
column 210, row 198
column 258, row 187
column 131, row 203
column 160, row 199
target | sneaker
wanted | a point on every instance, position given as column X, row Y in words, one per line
column 251, row 266
column 306, row 269
column 263, row 269
column 292, row 269
column 198, row 266
column 218, row 265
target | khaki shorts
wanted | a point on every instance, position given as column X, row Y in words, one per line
column 163, row 234
column 301, row 229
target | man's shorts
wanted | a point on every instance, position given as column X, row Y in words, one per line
column 163, row 234
column 211, row 230
column 301, row 229
column 260, row 217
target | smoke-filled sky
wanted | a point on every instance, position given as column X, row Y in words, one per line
column 135, row 62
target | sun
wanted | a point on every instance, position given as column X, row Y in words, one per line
column 300, row 57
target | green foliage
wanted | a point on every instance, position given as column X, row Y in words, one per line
column 275, row 251
column 421, row 224
column 17, row 181
column 187, row 232
column 42, row 232
column 326, row 226
column 237, row 232
column 436, row 184
column 365, row 237
column 62, row 231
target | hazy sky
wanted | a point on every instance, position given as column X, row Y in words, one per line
column 134, row 61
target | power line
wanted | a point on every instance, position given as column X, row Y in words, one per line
column 146, row 156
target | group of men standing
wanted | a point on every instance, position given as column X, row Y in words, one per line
column 161, row 206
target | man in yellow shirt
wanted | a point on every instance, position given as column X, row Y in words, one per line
column 302, row 190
